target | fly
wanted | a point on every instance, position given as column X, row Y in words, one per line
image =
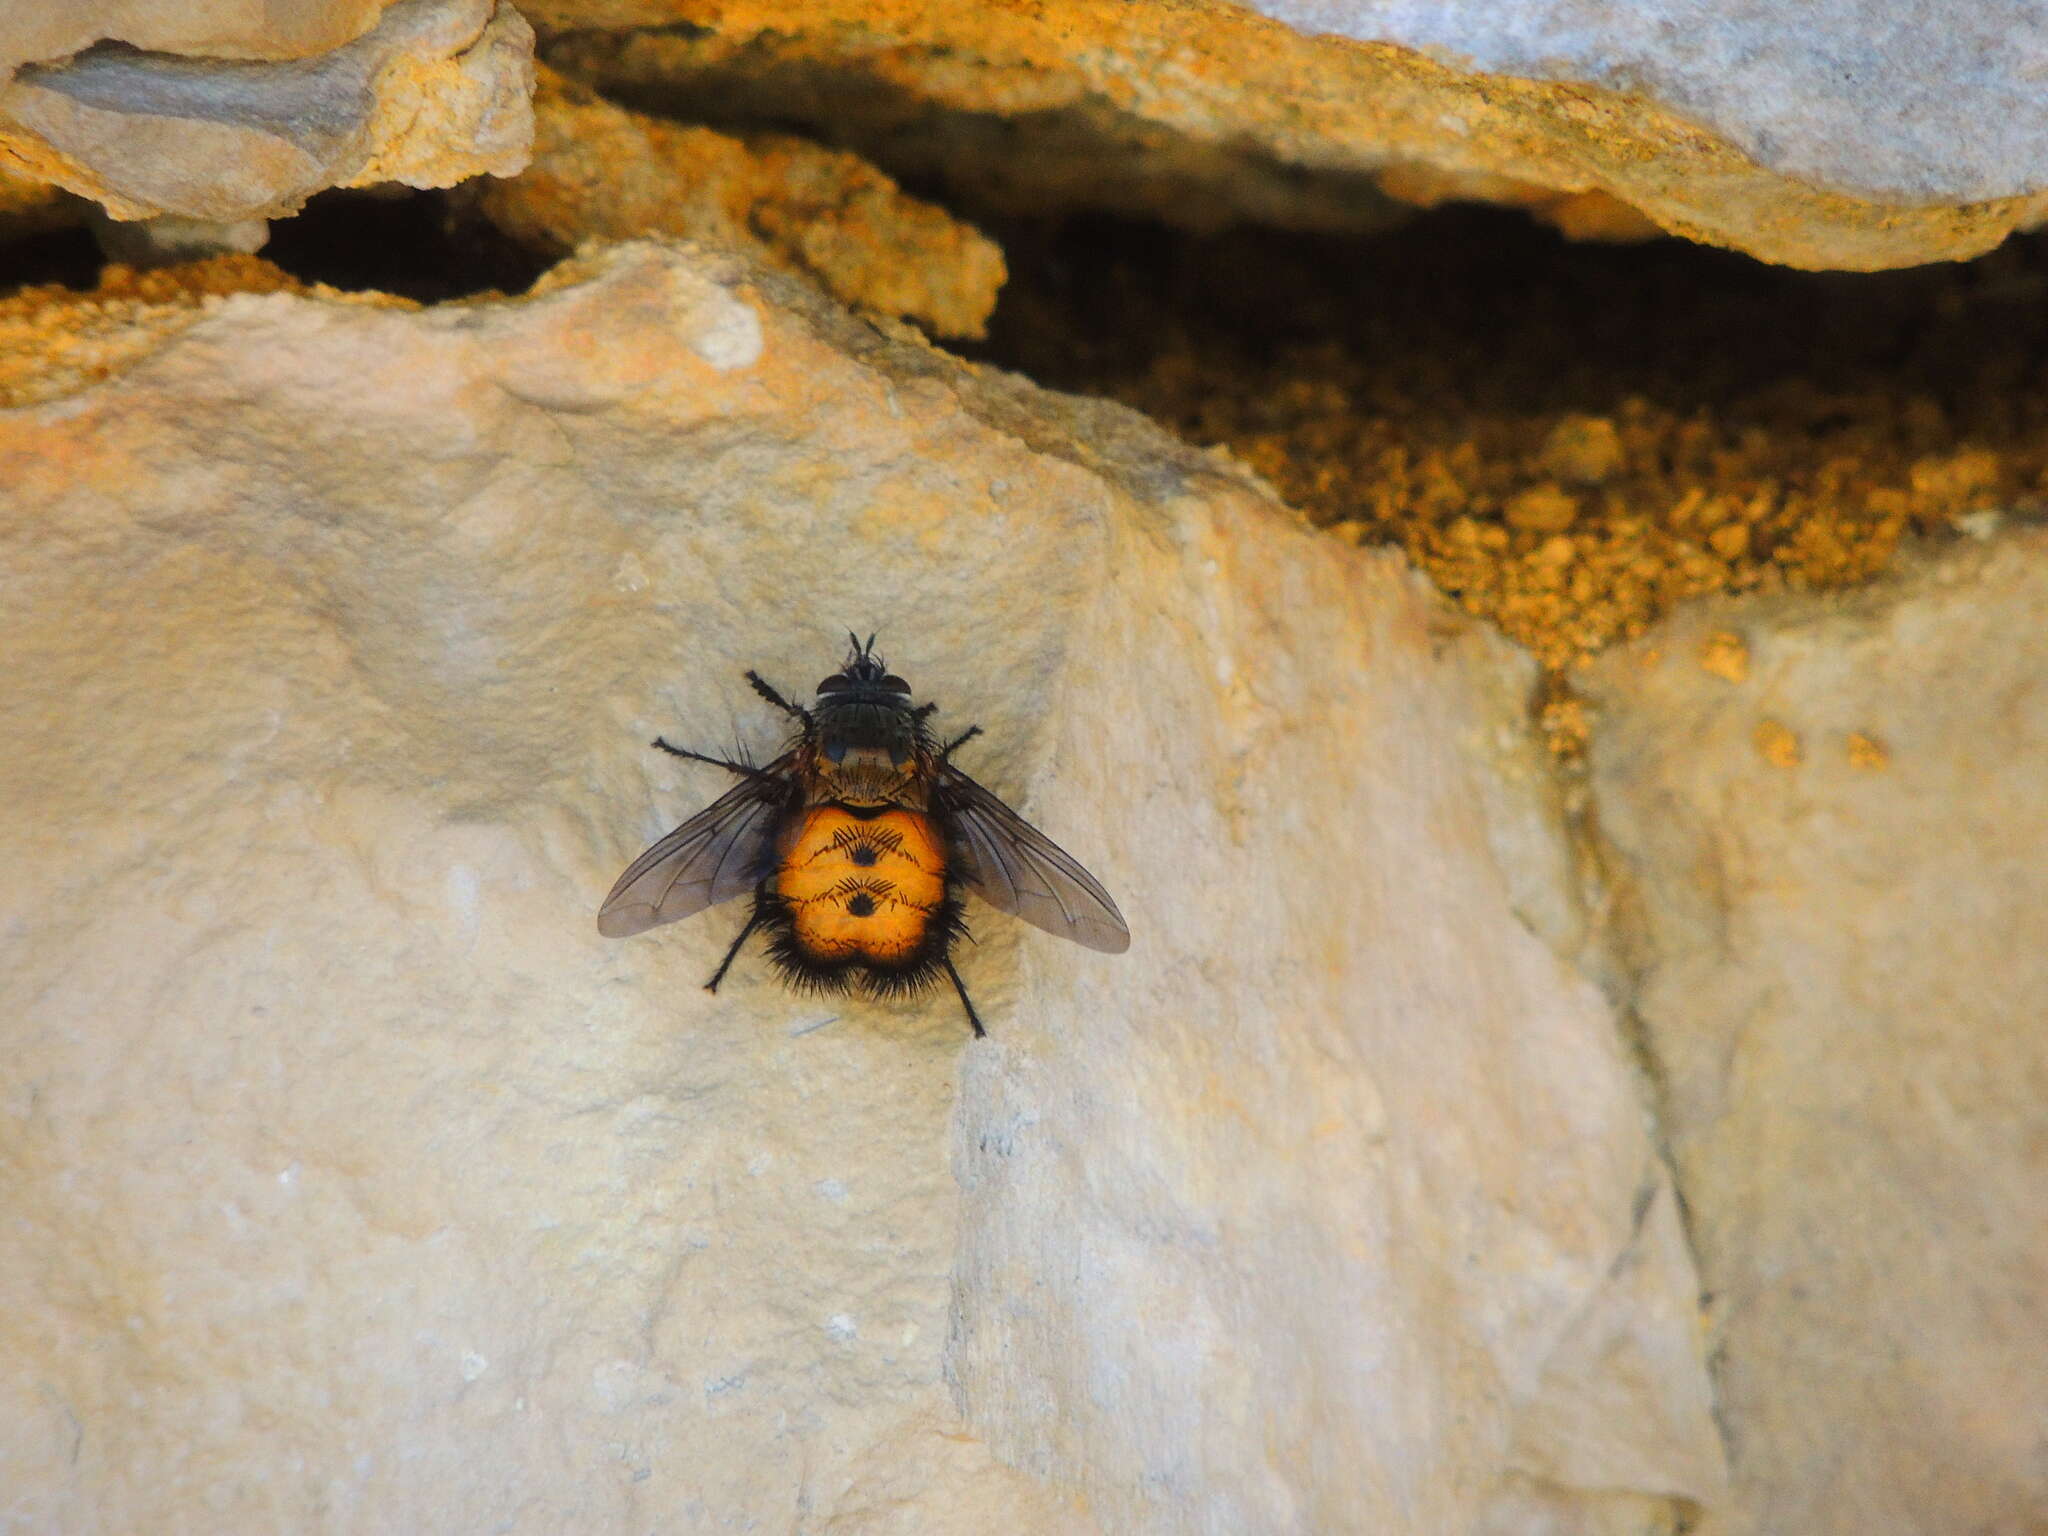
column 857, row 845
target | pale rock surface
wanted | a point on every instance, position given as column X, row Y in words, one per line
column 1832, row 858
column 32, row 32
column 171, row 239
column 437, row 92
column 1856, row 133
column 1887, row 99
column 355, row 1184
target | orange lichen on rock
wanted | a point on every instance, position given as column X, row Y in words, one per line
column 1725, row 655
column 1776, row 743
column 602, row 172
column 1566, row 723
column 55, row 340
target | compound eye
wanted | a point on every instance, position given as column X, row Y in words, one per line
column 834, row 683
column 895, row 684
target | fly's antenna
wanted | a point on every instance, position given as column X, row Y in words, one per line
column 861, row 659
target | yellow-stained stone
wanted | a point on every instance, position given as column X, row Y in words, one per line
column 1209, row 113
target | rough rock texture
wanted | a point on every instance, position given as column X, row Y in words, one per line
column 601, row 172
column 437, row 92
column 54, row 341
column 1826, row 818
column 355, row 1182
column 219, row 29
column 1207, row 111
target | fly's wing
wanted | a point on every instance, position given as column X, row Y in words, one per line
column 1017, row 868
column 712, row 857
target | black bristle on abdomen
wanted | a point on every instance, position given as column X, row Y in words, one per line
column 807, row 973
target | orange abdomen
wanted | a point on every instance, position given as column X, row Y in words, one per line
column 862, row 889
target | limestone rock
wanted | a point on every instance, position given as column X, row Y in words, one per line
column 437, row 92
column 1884, row 99
column 1833, row 855
column 1856, row 137
column 219, row 29
column 1579, row 215
column 171, row 239
column 354, row 1179
column 601, row 172
column 55, row 342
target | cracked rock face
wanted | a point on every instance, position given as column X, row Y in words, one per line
column 355, row 1178
column 1826, row 819
column 435, row 92
column 1856, row 134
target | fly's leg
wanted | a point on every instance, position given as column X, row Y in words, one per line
column 744, row 770
column 732, row 954
column 958, row 742
column 760, row 686
column 961, row 987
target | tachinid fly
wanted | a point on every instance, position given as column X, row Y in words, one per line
column 855, row 845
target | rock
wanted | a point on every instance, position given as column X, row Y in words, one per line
column 354, row 1177
column 217, row 29
column 437, row 92
column 1872, row 98
column 170, row 239
column 1833, row 858
column 600, row 172
column 1856, row 140
column 55, row 342
column 29, row 207
column 1594, row 216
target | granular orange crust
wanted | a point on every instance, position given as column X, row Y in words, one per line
column 1569, row 441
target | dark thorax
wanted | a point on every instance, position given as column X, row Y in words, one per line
column 868, row 748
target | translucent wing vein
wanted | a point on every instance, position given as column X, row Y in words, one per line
column 1018, row 869
column 713, row 857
